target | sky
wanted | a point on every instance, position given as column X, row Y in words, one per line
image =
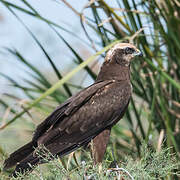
column 14, row 35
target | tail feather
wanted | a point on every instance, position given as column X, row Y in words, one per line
column 26, row 164
column 19, row 155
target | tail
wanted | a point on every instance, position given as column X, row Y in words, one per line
column 19, row 155
column 26, row 164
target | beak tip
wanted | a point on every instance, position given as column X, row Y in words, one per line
column 141, row 54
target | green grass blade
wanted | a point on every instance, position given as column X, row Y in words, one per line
column 60, row 83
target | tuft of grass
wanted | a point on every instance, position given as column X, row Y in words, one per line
column 152, row 165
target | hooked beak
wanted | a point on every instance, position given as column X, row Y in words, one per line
column 138, row 53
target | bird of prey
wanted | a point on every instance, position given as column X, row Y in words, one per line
column 88, row 115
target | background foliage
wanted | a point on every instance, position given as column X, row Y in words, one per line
column 153, row 115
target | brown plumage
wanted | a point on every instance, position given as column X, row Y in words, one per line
column 88, row 115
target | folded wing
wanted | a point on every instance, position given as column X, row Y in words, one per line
column 77, row 121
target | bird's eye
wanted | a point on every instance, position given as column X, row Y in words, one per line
column 129, row 50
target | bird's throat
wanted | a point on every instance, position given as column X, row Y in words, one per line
column 116, row 72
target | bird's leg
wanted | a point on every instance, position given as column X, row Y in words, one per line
column 99, row 145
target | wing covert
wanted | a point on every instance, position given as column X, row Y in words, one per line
column 68, row 108
column 102, row 110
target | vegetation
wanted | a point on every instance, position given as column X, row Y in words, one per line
column 153, row 114
column 152, row 165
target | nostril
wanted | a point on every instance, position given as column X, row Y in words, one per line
column 138, row 53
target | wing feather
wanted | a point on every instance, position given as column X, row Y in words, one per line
column 101, row 111
column 69, row 107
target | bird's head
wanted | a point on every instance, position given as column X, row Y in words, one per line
column 117, row 62
column 122, row 54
